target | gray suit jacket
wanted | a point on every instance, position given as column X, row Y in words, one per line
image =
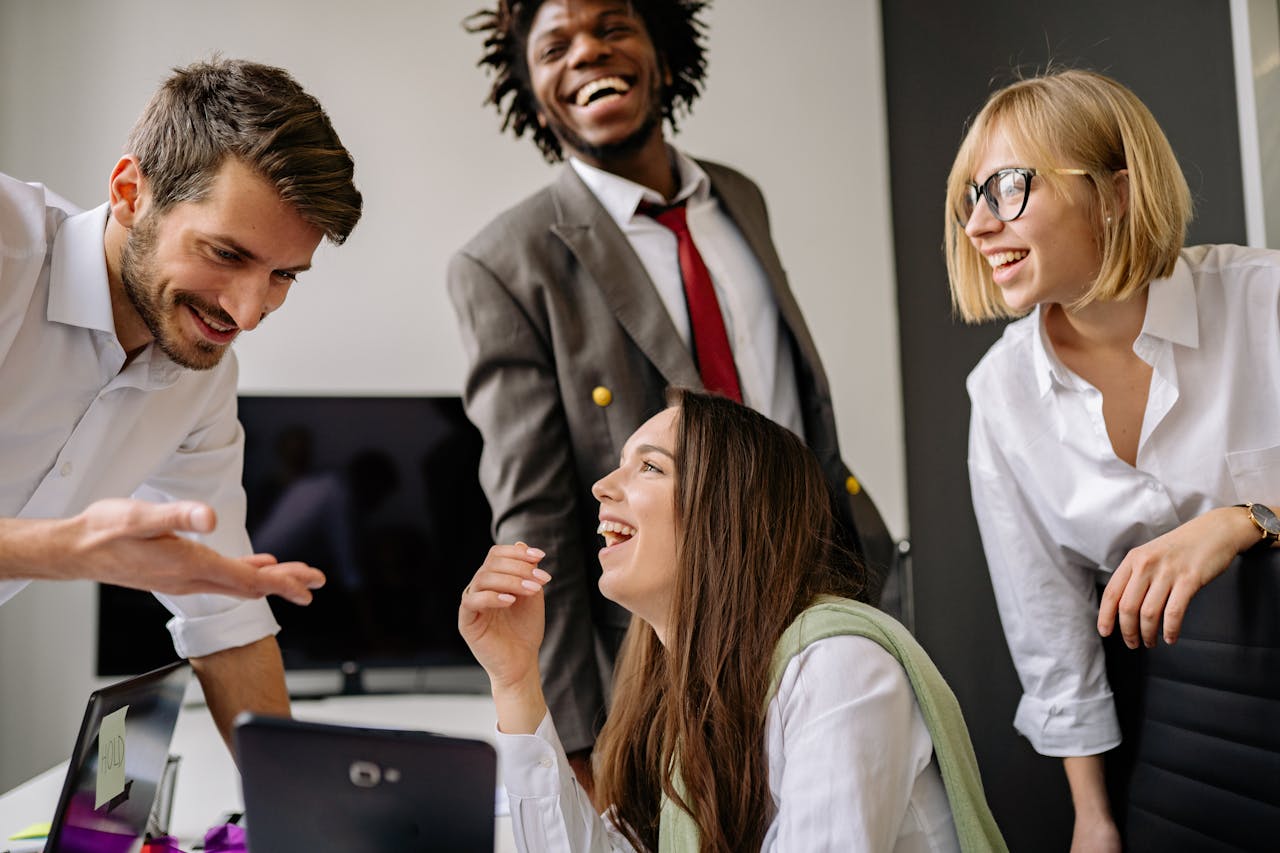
column 553, row 304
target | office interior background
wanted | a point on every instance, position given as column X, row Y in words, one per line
column 847, row 113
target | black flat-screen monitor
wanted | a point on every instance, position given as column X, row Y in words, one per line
column 383, row 495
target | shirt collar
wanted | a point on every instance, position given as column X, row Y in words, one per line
column 1171, row 316
column 620, row 197
column 1171, row 308
column 79, row 294
column 1048, row 369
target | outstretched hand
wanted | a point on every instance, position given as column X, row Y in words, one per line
column 136, row 544
column 502, row 616
column 1157, row 580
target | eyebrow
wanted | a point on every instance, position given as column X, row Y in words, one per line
column 248, row 255
column 653, row 448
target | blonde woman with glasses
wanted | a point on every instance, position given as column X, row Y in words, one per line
column 1125, row 430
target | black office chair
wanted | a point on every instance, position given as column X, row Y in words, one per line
column 1200, row 766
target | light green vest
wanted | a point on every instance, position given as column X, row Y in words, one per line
column 831, row 617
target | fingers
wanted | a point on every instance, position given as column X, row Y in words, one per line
column 1176, row 610
column 1111, row 599
column 291, row 581
column 1135, row 592
column 508, row 573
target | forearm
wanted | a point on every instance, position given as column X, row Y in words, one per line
column 34, row 549
column 246, row 678
column 1085, row 776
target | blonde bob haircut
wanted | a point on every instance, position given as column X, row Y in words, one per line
column 1082, row 120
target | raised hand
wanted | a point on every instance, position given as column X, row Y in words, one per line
column 136, row 544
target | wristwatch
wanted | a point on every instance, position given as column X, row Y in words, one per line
column 1266, row 522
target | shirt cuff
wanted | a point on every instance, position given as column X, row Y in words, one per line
column 532, row 765
column 243, row 623
column 1066, row 729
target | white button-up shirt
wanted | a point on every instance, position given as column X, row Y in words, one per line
column 757, row 335
column 851, row 766
column 75, row 427
column 1058, row 510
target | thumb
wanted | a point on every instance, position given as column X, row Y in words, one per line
column 188, row 516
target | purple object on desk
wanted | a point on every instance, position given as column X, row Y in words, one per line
column 227, row 838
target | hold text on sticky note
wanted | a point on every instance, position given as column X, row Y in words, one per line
column 110, row 758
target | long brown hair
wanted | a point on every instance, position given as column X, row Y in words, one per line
column 753, row 549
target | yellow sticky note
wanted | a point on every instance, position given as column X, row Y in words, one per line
column 36, row 830
column 110, row 758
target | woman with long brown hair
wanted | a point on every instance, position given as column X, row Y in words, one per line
column 756, row 706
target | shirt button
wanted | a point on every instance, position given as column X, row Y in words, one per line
column 545, row 761
column 602, row 396
column 65, row 470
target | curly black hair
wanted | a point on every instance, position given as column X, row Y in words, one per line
column 673, row 25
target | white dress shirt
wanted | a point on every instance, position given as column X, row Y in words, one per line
column 851, row 766
column 1058, row 510
column 75, row 427
column 757, row 334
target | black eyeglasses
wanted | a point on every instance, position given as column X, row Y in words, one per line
column 1006, row 193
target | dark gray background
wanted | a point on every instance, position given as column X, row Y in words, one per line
column 941, row 61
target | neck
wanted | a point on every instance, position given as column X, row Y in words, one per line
column 650, row 165
column 130, row 330
column 1099, row 325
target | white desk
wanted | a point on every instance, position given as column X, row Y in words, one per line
column 209, row 786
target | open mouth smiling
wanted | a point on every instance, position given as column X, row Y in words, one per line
column 600, row 89
column 615, row 532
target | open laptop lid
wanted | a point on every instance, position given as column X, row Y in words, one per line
column 313, row 786
column 118, row 761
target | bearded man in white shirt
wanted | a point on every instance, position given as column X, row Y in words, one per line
column 120, row 451
column 577, row 308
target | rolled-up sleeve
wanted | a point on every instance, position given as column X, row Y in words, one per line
column 1048, row 608
column 208, row 467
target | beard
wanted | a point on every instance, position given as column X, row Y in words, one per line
column 144, row 286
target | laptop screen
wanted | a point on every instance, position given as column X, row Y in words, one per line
column 117, row 764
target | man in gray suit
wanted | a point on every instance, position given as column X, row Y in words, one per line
column 573, row 309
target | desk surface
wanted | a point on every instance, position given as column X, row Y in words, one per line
column 208, row 784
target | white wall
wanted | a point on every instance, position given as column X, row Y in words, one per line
column 795, row 99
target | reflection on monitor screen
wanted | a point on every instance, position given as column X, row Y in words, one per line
column 382, row 494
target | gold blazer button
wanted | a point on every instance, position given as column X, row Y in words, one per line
column 852, row 486
column 602, row 396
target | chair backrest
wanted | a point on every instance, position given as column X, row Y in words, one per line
column 1200, row 769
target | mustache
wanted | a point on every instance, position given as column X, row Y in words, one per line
column 212, row 311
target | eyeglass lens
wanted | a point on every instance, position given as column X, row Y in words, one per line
column 1005, row 191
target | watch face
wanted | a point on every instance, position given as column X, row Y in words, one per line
column 1265, row 518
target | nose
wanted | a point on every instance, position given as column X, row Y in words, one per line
column 981, row 221
column 251, row 298
column 605, row 489
column 586, row 49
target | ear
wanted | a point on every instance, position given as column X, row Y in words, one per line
column 1121, row 179
column 127, row 191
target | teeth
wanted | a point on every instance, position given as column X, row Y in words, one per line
column 213, row 324
column 615, row 527
column 999, row 259
column 616, row 83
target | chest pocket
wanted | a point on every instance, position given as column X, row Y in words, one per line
column 1256, row 474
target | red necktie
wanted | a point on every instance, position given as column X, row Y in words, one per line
column 711, row 349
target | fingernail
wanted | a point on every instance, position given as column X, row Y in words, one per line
column 541, row 575
column 201, row 519
column 506, row 597
column 536, row 553
column 532, row 586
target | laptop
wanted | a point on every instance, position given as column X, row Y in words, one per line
column 117, row 764
column 315, row 786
